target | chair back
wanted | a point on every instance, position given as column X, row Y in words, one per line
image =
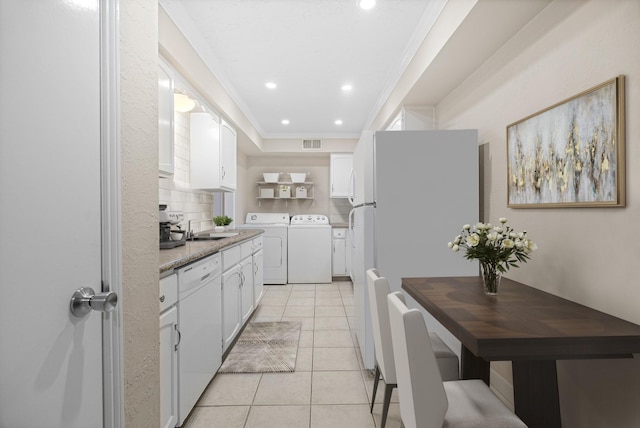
column 423, row 401
column 378, row 288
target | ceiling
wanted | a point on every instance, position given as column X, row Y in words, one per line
column 310, row 49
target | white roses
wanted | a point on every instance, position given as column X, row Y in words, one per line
column 499, row 245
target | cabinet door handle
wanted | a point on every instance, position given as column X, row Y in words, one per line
column 162, row 299
column 179, row 337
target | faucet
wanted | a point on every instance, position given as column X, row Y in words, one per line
column 189, row 231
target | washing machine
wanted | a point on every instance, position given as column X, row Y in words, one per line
column 275, row 242
column 309, row 249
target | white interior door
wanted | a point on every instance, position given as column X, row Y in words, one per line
column 50, row 213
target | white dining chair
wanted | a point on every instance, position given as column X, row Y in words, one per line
column 425, row 400
column 378, row 288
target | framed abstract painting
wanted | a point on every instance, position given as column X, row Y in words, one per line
column 571, row 154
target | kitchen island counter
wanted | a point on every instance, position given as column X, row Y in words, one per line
column 172, row 258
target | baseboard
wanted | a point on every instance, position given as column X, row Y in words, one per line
column 502, row 388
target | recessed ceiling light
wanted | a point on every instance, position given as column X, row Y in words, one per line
column 366, row 4
column 347, row 87
column 338, row 122
column 285, row 121
column 270, row 85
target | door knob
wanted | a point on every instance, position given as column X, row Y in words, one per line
column 84, row 299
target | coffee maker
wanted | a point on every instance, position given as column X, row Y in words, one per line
column 166, row 220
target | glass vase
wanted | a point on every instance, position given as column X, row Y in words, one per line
column 491, row 278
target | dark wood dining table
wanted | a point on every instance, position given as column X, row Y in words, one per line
column 529, row 327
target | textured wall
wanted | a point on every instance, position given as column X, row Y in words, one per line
column 587, row 255
column 139, row 139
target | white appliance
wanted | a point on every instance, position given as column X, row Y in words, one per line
column 309, row 249
column 200, row 330
column 275, row 238
column 411, row 193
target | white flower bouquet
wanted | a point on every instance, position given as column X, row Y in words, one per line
column 497, row 248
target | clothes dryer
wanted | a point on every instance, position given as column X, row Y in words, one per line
column 309, row 249
column 275, row 248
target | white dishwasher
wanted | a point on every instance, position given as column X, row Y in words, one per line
column 309, row 249
column 200, row 326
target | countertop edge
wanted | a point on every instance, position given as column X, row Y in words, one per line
column 192, row 251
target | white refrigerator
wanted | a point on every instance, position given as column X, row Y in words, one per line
column 412, row 191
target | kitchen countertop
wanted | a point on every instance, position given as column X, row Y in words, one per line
column 172, row 258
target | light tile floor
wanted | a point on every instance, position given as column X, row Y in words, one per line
column 328, row 389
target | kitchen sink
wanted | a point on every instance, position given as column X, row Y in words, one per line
column 214, row 236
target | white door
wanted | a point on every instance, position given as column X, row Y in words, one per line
column 228, row 157
column 258, row 278
column 246, row 296
column 340, row 168
column 169, row 368
column 51, row 372
column 231, row 281
column 339, row 260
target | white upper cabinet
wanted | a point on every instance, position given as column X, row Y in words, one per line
column 165, row 122
column 340, row 172
column 213, row 153
column 228, row 156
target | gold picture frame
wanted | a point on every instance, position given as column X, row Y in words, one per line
column 571, row 154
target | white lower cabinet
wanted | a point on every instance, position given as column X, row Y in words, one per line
column 246, row 289
column 258, row 276
column 231, row 283
column 169, row 337
column 340, row 255
column 242, row 286
column 168, row 368
column 237, row 290
column 235, row 293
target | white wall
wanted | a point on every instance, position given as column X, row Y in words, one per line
column 587, row 255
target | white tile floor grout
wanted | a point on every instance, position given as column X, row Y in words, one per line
column 328, row 389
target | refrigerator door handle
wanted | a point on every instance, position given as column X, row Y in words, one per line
column 350, row 229
column 351, row 241
column 352, row 187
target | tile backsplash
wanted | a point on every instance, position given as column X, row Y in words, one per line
column 197, row 205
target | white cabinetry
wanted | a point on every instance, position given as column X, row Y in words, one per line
column 246, row 299
column 213, row 153
column 228, row 156
column 237, row 290
column 258, row 265
column 165, row 122
column 231, row 283
column 169, row 337
column 340, row 172
column 340, row 254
